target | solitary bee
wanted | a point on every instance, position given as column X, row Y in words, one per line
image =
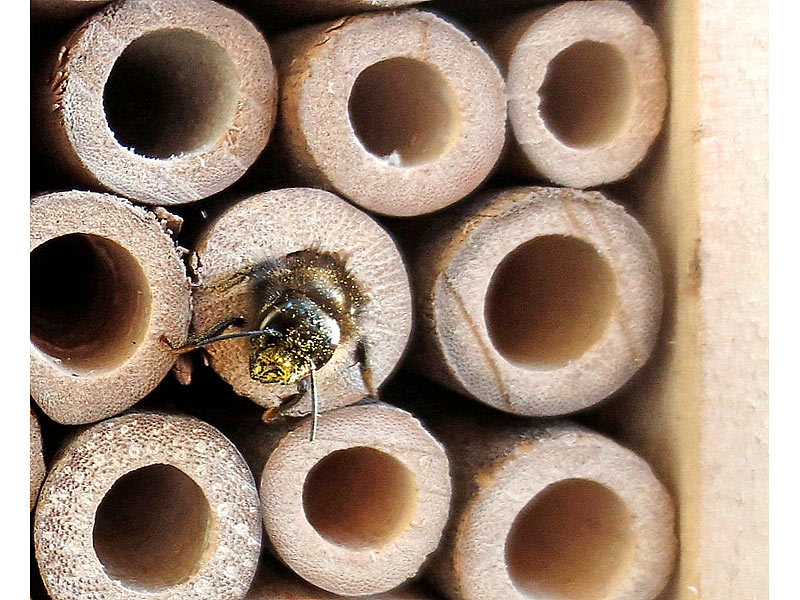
column 305, row 305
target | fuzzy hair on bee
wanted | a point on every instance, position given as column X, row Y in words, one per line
column 304, row 305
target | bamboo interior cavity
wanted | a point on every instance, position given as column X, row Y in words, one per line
column 152, row 528
column 90, row 301
column 573, row 541
column 587, row 94
column 171, row 91
column 359, row 497
column 549, row 301
column 404, row 109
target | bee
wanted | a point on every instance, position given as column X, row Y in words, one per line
column 305, row 305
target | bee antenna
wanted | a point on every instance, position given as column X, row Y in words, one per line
column 314, row 402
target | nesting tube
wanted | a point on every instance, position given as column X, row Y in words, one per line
column 107, row 282
column 555, row 511
column 264, row 230
column 148, row 505
column 402, row 113
column 161, row 101
column 359, row 509
column 276, row 583
column 333, row 8
column 587, row 90
column 37, row 458
column 537, row 301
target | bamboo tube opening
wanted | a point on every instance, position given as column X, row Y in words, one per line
column 549, row 301
column 152, row 528
column 359, row 497
column 573, row 540
column 90, row 302
column 587, row 94
column 404, row 108
column 171, row 92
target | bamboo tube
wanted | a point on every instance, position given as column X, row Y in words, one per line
column 293, row 220
column 553, row 511
column 38, row 468
column 358, row 510
column 162, row 101
column 537, row 301
column 63, row 9
column 106, row 282
column 148, row 505
column 275, row 583
column 400, row 112
column 586, row 87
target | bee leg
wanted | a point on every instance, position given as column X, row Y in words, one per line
column 200, row 340
column 366, row 371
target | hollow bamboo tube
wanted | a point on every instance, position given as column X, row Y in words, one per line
column 38, row 468
column 106, row 282
column 586, row 87
column 63, row 9
column 266, row 228
column 150, row 506
column 275, row 583
column 402, row 113
column 554, row 511
column 162, row 101
column 537, row 301
column 359, row 509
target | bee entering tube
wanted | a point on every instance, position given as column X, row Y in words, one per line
column 306, row 304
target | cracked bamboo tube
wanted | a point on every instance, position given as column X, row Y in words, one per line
column 106, row 282
column 358, row 510
column 276, row 583
column 553, row 511
column 161, row 101
column 402, row 113
column 587, row 90
column 537, row 301
column 38, row 468
column 289, row 221
column 148, row 505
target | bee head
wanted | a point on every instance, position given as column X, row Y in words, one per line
column 308, row 336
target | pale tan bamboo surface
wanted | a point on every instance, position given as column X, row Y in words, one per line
column 536, row 301
column 108, row 283
column 587, row 90
column 549, row 511
column 63, row 9
column 271, row 225
column 210, row 72
column 358, row 510
column 274, row 582
column 400, row 112
column 148, row 505
column 38, row 468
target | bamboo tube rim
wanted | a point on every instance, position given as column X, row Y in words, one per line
column 221, row 41
column 557, row 64
column 618, row 487
column 388, row 559
column 66, row 522
column 123, row 359
column 453, row 76
column 456, row 272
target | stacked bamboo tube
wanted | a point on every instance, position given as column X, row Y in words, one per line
column 535, row 301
